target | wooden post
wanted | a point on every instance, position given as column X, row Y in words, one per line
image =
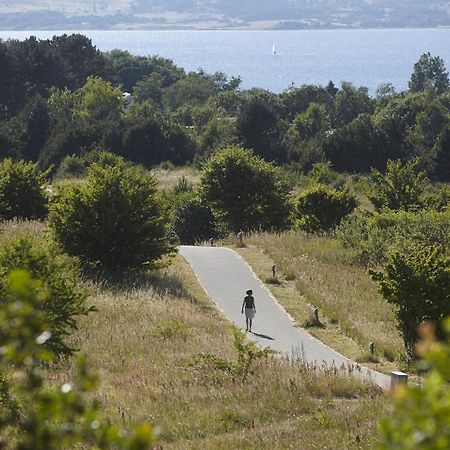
column 398, row 379
column 316, row 315
column 211, row 241
column 372, row 348
column 239, row 235
column 274, row 270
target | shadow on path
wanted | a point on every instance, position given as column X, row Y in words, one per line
column 264, row 336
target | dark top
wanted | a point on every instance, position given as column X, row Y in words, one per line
column 249, row 302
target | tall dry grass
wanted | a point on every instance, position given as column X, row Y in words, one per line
column 144, row 340
column 168, row 179
column 344, row 293
column 10, row 229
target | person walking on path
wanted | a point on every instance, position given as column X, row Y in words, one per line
column 250, row 309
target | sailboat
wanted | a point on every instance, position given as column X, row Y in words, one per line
column 274, row 49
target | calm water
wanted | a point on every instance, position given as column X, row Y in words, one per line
column 364, row 57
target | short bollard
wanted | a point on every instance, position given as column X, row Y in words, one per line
column 240, row 235
column 274, row 270
column 398, row 379
column 211, row 241
column 316, row 315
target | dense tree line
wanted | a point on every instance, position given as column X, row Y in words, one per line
column 63, row 97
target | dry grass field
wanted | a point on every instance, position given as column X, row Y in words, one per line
column 315, row 271
column 144, row 341
column 168, row 179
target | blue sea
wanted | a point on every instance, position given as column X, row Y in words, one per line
column 363, row 57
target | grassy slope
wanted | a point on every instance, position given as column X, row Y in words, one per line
column 351, row 309
column 143, row 340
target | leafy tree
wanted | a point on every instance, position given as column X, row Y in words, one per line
column 373, row 235
column 401, row 187
column 297, row 100
column 22, row 190
column 350, row 102
column 128, row 69
column 257, row 126
column 312, row 122
column 355, row 147
column 99, row 100
column 416, row 280
column 194, row 222
column 244, row 191
column 79, row 59
column 331, row 88
column 442, row 150
column 429, row 72
column 153, row 140
column 193, row 90
column 35, row 66
column 322, row 208
column 7, row 81
column 149, row 88
column 72, row 166
column 35, row 415
column 36, row 128
column 59, row 274
column 114, row 219
column 385, row 91
column 69, row 136
column 420, row 417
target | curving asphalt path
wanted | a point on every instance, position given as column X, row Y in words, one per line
column 225, row 277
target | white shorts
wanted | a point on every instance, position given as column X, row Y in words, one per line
column 249, row 313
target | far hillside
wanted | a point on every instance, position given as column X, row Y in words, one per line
column 229, row 14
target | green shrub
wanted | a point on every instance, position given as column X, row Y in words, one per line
column 194, row 222
column 323, row 173
column 113, row 220
column 321, row 208
column 244, row 191
column 420, row 417
column 416, row 280
column 58, row 273
column 72, row 166
column 246, row 354
column 22, row 190
column 372, row 235
column 401, row 187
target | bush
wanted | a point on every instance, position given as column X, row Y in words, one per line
column 372, row 235
column 194, row 222
column 323, row 173
column 22, row 190
column 59, row 274
column 416, row 279
column 420, row 417
column 322, row 208
column 244, row 191
column 401, row 187
column 113, row 220
column 72, row 166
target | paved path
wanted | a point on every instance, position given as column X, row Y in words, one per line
column 225, row 277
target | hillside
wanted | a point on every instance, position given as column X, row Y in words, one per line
column 282, row 14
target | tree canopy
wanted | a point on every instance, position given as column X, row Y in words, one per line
column 246, row 192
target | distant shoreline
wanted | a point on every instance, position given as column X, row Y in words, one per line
column 81, row 29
